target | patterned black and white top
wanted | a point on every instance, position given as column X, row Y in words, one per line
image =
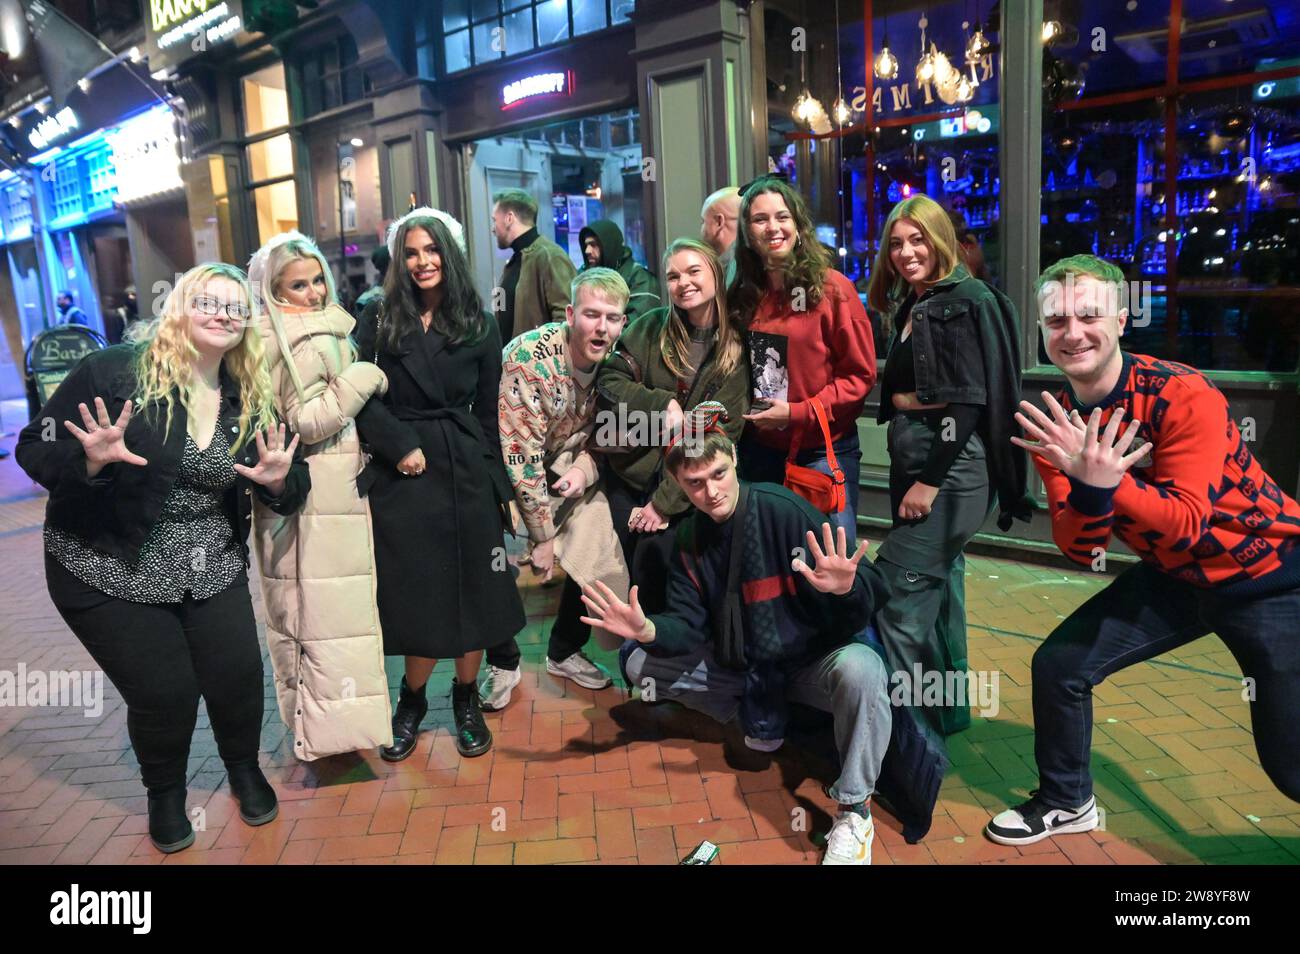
column 192, row 548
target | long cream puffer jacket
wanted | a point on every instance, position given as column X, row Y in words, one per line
column 318, row 566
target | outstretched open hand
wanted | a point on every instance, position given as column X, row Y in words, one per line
column 104, row 441
column 833, row 569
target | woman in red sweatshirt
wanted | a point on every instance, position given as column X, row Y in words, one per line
column 809, row 337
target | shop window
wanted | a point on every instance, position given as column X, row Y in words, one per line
column 277, row 209
column 1207, row 228
column 487, row 41
column 101, row 182
column 330, row 77
column 456, row 47
column 455, row 14
column 1219, row 39
column 16, row 208
column 480, row 31
column 65, row 187
column 552, row 22
column 518, row 31
column 266, row 104
column 270, row 158
column 588, row 16
column 853, row 157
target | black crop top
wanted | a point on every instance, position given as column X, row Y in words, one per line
column 900, row 378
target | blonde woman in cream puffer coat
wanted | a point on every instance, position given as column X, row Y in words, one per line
column 318, row 566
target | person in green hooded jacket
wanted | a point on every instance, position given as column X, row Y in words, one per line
column 603, row 247
column 666, row 363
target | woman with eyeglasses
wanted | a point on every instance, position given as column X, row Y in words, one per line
column 318, row 566
column 152, row 453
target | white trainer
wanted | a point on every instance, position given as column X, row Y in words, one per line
column 849, row 840
column 581, row 670
column 494, row 693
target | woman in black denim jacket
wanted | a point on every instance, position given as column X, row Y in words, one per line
column 948, row 394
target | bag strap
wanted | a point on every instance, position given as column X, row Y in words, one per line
column 826, row 436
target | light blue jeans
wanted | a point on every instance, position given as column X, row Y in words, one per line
column 849, row 682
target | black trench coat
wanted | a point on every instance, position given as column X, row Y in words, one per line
column 445, row 588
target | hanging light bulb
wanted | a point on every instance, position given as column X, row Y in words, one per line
column 886, row 66
column 944, row 72
column 925, row 68
column 1051, row 31
column 807, row 109
column 842, row 112
column 965, row 90
column 977, row 47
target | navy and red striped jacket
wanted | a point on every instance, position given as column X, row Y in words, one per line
column 787, row 623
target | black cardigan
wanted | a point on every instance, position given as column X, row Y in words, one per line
column 116, row 509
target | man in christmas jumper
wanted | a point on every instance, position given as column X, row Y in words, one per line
column 1146, row 450
column 546, row 413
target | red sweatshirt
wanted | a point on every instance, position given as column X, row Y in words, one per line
column 825, row 351
column 1201, row 508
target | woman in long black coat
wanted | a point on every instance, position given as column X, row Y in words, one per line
column 436, row 481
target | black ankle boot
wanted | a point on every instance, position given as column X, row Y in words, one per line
column 472, row 734
column 169, row 826
column 411, row 709
column 256, row 797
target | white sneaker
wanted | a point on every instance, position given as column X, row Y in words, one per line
column 763, row 745
column 1033, row 821
column 494, row 693
column 581, row 670
column 849, row 840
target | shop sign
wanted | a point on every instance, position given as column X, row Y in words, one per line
column 537, row 86
column 144, row 155
column 179, row 29
column 53, row 127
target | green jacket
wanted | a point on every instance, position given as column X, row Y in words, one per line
column 614, row 254
column 638, row 348
column 545, row 273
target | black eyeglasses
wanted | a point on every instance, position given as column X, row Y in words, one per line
column 210, row 306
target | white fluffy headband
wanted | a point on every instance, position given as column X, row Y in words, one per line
column 257, row 264
column 454, row 227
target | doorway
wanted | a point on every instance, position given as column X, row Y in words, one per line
column 578, row 170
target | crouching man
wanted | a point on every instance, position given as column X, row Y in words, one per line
column 763, row 603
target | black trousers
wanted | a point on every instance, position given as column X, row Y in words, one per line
column 648, row 555
column 568, row 635
column 163, row 658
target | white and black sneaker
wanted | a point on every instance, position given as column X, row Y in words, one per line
column 1033, row 821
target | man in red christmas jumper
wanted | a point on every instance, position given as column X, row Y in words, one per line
column 1146, row 450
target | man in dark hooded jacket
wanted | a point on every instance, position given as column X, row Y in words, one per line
column 602, row 247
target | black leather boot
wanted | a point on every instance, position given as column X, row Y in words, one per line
column 257, row 802
column 411, row 709
column 169, row 827
column 472, row 734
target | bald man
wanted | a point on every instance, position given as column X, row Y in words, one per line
column 719, row 218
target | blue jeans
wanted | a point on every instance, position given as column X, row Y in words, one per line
column 762, row 464
column 849, row 682
column 1142, row 614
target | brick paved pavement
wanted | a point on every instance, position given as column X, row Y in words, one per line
column 577, row 776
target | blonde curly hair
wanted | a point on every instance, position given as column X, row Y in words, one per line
column 165, row 357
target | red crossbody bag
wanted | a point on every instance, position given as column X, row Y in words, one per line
column 823, row 491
